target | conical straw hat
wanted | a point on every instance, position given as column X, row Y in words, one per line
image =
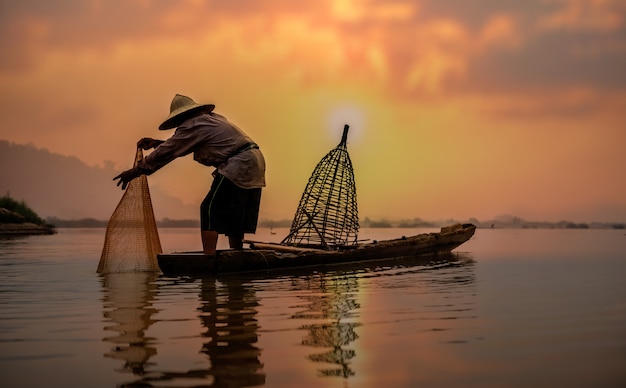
column 181, row 104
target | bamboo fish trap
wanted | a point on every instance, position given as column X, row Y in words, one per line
column 327, row 214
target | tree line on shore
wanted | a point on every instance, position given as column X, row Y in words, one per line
column 21, row 217
column 502, row 223
column 17, row 218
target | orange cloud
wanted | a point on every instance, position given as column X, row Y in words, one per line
column 500, row 31
column 602, row 15
column 359, row 11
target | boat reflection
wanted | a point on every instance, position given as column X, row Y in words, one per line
column 127, row 306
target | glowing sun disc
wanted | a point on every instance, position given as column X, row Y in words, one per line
column 340, row 115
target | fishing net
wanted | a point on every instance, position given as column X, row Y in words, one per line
column 327, row 214
column 132, row 241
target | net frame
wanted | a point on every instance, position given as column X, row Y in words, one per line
column 327, row 215
column 131, row 241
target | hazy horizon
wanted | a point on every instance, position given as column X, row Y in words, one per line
column 93, row 196
column 456, row 110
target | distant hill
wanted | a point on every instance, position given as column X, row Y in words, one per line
column 65, row 187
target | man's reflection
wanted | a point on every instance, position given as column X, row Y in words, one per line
column 228, row 311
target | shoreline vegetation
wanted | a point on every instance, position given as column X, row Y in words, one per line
column 17, row 219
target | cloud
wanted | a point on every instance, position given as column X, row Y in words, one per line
column 412, row 48
column 594, row 15
column 360, row 11
column 568, row 104
column 500, row 31
column 406, row 50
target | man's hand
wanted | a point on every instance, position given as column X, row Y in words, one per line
column 127, row 176
column 147, row 142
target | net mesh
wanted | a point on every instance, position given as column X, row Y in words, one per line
column 131, row 242
column 327, row 214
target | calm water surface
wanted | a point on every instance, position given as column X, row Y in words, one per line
column 514, row 308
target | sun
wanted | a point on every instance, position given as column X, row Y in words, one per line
column 342, row 114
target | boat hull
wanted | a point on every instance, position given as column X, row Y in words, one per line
column 234, row 261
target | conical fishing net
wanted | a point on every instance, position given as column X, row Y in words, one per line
column 327, row 214
column 132, row 241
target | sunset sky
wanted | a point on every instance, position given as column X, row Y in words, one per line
column 457, row 109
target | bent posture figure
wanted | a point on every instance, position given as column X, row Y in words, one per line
column 232, row 205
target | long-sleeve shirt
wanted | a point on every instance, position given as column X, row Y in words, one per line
column 214, row 141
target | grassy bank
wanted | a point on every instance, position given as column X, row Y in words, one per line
column 17, row 218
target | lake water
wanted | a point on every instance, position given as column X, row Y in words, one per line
column 514, row 308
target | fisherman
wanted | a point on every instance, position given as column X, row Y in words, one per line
column 232, row 205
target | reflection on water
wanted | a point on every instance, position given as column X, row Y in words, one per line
column 127, row 306
column 228, row 311
column 334, row 297
column 531, row 299
column 334, row 301
column 330, row 304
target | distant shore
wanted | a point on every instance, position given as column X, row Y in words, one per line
column 25, row 229
column 513, row 223
column 18, row 219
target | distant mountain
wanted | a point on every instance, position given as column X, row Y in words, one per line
column 65, row 187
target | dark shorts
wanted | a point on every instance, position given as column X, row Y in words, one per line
column 228, row 209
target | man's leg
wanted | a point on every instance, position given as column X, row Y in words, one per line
column 236, row 242
column 208, row 235
column 209, row 242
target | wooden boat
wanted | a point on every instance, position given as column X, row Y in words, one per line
column 271, row 256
